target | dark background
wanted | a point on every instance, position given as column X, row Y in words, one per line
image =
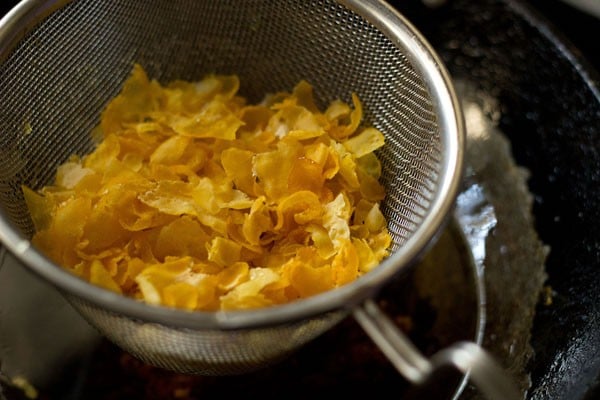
column 578, row 27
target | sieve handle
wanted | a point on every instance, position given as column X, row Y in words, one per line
column 467, row 357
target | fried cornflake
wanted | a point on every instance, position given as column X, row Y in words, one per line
column 195, row 199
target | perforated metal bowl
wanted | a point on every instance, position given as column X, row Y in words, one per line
column 62, row 61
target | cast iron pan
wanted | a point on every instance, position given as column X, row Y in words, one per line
column 548, row 100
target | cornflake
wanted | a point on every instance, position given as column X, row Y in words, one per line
column 197, row 200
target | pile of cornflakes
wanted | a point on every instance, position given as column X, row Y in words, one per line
column 197, row 200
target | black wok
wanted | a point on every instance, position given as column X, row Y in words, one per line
column 547, row 103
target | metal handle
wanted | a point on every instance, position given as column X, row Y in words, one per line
column 467, row 357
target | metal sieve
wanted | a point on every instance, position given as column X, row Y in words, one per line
column 62, row 61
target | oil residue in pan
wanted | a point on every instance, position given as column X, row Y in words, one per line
column 515, row 256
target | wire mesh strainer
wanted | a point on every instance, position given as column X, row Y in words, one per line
column 62, row 61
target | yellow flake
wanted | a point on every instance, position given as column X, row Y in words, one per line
column 195, row 199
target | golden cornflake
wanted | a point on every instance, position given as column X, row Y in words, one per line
column 197, row 200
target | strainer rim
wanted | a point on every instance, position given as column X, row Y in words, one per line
column 437, row 80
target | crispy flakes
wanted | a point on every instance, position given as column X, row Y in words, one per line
column 196, row 200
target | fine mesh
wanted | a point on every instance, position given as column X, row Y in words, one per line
column 210, row 351
column 56, row 81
